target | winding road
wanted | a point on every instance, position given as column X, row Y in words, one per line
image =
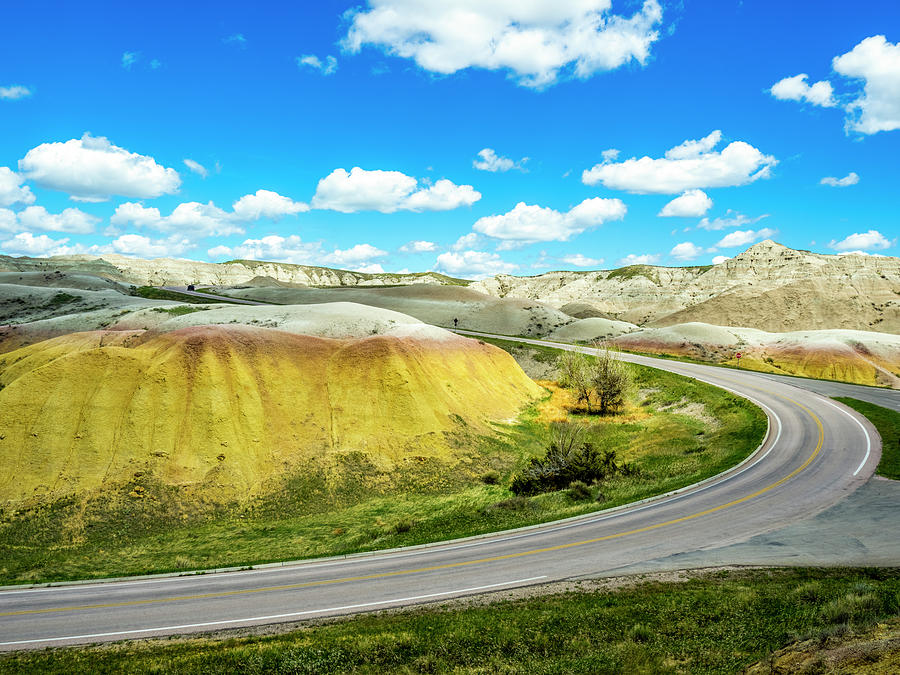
column 816, row 453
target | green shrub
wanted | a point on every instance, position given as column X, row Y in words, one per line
column 578, row 491
column 491, row 478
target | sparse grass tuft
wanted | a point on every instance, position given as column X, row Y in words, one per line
column 888, row 424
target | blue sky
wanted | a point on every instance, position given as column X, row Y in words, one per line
column 101, row 104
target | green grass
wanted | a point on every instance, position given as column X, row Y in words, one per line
column 154, row 293
column 888, row 424
column 178, row 310
column 632, row 271
column 711, row 623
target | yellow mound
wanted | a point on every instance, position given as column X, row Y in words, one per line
column 224, row 412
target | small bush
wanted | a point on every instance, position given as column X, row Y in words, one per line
column 404, row 525
column 640, row 632
column 491, row 478
column 851, row 607
column 810, row 592
column 578, row 491
column 514, row 504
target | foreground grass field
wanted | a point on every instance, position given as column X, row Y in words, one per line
column 675, row 430
column 711, row 623
column 888, row 424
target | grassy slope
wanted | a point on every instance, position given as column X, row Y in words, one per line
column 122, row 535
column 711, row 623
column 888, row 424
column 154, row 293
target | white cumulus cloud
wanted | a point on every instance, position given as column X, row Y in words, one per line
column 93, row 169
column 418, row 246
column 473, row 264
column 690, row 165
column 533, row 41
column 273, row 247
column 194, row 218
column 850, row 179
column 489, row 160
column 729, row 220
column 686, row 250
column 796, row 89
column 26, row 243
column 353, row 255
column 14, row 92
column 693, row 203
column 744, row 237
column 643, row 259
column 196, row 167
column 387, row 192
column 145, row 247
column 579, row 260
column 266, row 204
column 326, row 67
column 12, row 190
column 873, row 239
column 719, row 259
column 876, row 62
column 529, row 223
column 73, row 221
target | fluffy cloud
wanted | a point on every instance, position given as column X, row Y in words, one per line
column 719, row 259
column 744, row 237
column 467, row 241
column 73, row 221
column 12, row 190
column 14, row 92
column 273, row 247
column 145, row 247
column 873, row 239
column 266, row 204
column 26, row 243
column 530, row 223
column 850, row 179
column 877, row 62
column 353, row 255
column 645, row 259
column 534, row 41
column 194, row 218
column 579, row 260
column 610, row 155
column 368, row 268
column 691, row 165
column 196, row 167
column 685, row 251
column 387, row 192
column 796, row 89
column 693, row 203
column 328, row 67
column 93, row 169
column 473, row 264
column 488, row 160
column 418, row 246
column 729, row 220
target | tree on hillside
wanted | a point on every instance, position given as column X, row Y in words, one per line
column 609, row 380
column 575, row 374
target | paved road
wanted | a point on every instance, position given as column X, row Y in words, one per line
column 211, row 296
column 817, row 453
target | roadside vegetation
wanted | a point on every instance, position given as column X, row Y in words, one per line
column 718, row 622
column 667, row 432
column 154, row 293
column 888, row 424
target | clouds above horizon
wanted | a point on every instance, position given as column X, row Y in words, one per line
column 850, row 179
column 12, row 188
column 473, row 264
column 871, row 240
column 693, row 203
column 744, row 237
column 387, row 192
column 488, row 160
column 529, row 223
column 92, row 169
column 694, row 164
column 796, row 89
column 14, row 92
column 534, row 42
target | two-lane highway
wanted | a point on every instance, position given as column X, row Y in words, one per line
column 816, row 453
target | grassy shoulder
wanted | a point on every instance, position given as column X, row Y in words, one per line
column 677, row 431
column 717, row 622
column 888, row 424
column 154, row 293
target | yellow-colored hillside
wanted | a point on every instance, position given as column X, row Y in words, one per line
column 223, row 412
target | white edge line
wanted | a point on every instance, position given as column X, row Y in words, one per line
column 865, row 432
column 272, row 617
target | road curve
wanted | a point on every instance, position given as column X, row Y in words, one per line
column 815, row 454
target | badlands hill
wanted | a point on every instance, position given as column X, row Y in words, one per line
column 225, row 403
column 178, row 272
column 769, row 287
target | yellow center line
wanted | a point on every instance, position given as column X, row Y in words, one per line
column 432, row 568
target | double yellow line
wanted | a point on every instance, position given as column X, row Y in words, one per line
column 432, row 568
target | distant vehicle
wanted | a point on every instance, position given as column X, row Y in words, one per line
column 190, row 287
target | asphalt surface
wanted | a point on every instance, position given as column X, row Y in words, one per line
column 816, row 454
